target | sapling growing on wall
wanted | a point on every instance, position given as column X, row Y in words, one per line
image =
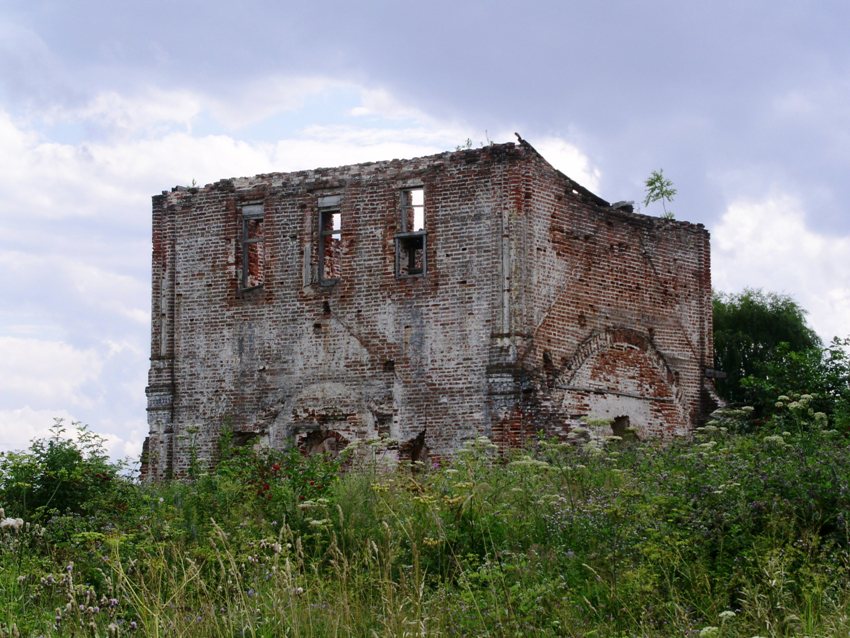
column 660, row 188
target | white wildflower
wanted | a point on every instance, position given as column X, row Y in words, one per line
column 528, row 462
column 727, row 615
column 708, row 631
column 14, row 524
column 593, row 448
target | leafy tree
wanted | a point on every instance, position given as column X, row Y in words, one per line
column 748, row 330
column 58, row 474
column 660, row 188
column 821, row 375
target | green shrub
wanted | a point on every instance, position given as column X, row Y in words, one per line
column 60, row 474
column 733, row 533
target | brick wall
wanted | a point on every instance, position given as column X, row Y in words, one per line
column 616, row 319
column 540, row 304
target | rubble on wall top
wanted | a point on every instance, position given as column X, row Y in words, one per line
column 321, row 177
column 363, row 170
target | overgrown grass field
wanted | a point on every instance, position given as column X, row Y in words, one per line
column 733, row 533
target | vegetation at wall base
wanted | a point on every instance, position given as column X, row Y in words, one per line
column 738, row 532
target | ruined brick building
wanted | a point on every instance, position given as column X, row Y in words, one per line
column 424, row 301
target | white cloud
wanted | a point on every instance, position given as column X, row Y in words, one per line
column 113, row 179
column 44, row 180
column 47, row 372
column 767, row 244
column 153, row 111
column 120, row 294
column 19, row 426
column 30, row 70
column 147, row 112
column 74, row 284
column 124, row 440
column 570, row 160
column 340, row 145
column 255, row 101
column 381, row 103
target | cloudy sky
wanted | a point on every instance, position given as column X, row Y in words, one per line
column 744, row 104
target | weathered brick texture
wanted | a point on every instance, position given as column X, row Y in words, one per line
column 540, row 305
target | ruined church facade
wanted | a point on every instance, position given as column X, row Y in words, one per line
column 423, row 302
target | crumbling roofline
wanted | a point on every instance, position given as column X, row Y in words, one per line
column 321, row 173
column 571, row 183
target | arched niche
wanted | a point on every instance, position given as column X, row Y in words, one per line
column 323, row 417
column 617, row 375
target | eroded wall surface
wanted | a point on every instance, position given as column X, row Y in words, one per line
column 617, row 315
column 306, row 308
column 298, row 358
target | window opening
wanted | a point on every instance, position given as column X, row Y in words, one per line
column 410, row 241
column 622, row 427
column 330, row 239
column 413, row 210
column 252, row 251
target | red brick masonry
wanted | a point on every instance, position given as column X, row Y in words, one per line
column 304, row 308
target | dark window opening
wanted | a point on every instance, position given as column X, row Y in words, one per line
column 410, row 241
column 244, row 439
column 330, row 240
column 416, row 450
column 384, row 423
column 621, row 427
column 410, row 255
column 322, row 442
column 252, row 247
